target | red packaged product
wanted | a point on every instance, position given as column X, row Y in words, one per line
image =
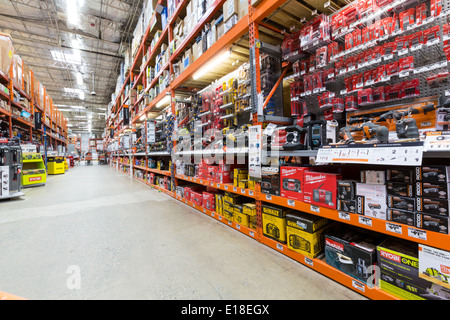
column 333, row 49
column 435, row 8
column 197, row 198
column 447, row 52
column 320, row 188
column 365, row 96
column 416, row 39
column 351, row 15
column 401, row 43
column 406, row 63
column 368, row 76
column 351, row 103
column 394, row 92
column 380, row 73
column 321, row 58
column 339, row 66
column 291, row 182
column 357, row 80
column 337, row 22
column 366, row 34
column 378, row 94
column 383, row 3
column 431, row 34
column 329, row 75
column 349, row 42
column 421, row 13
column 326, row 99
column 348, row 84
column 304, row 66
column 411, row 88
column 312, row 62
column 377, row 52
column 389, row 48
column 209, row 201
column 392, row 68
column 307, row 83
column 407, row 18
column 317, row 80
column 446, row 33
column 357, row 38
column 338, row 105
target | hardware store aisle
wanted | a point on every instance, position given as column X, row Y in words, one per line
column 95, row 233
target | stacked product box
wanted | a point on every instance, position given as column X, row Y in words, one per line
column 274, row 222
column 398, row 262
column 401, row 195
column 432, row 199
column 270, row 180
column 353, row 251
column 320, row 188
column 371, row 194
column 229, row 201
column 249, row 209
column 292, row 182
column 304, row 233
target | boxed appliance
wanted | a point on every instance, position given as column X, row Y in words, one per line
column 433, row 206
column 434, row 266
column 270, row 180
column 432, row 173
column 352, row 251
column 432, row 222
column 304, row 233
column 405, row 175
column 239, row 216
column 209, row 201
column 402, row 203
column 399, row 272
column 371, row 200
column 320, row 188
column 291, row 179
column 401, row 216
column 373, row 176
column 400, row 189
column 274, row 222
column 438, row 190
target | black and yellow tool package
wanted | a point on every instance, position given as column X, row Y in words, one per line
column 304, row 233
column 274, row 222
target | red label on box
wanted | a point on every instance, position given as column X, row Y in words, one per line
column 291, row 182
column 320, row 188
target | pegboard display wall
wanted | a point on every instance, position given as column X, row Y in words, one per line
column 385, row 57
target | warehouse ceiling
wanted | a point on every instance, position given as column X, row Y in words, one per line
column 75, row 48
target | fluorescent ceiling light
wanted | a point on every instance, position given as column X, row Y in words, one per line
column 60, row 56
column 72, row 12
column 81, row 117
column 211, row 65
column 79, row 79
column 72, row 91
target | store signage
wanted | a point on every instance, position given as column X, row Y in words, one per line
column 403, row 154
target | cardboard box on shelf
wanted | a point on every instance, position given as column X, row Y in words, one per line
column 274, row 222
column 320, row 188
column 230, row 7
column 352, row 251
column 398, row 263
column 6, row 53
column 291, row 182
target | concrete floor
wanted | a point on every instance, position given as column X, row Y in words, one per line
column 95, row 233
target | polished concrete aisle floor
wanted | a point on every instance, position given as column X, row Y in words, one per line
column 95, row 233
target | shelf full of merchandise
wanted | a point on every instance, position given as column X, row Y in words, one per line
column 25, row 98
column 250, row 22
